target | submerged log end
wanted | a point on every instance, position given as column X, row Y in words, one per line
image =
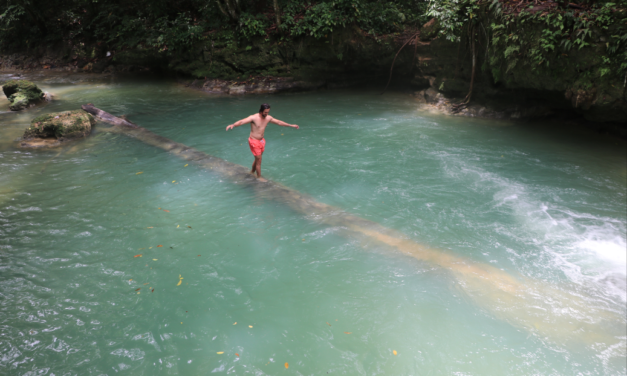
column 105, row 116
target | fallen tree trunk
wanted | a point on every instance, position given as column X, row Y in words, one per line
column 533, row 305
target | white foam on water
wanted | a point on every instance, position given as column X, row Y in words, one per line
column 589, row 249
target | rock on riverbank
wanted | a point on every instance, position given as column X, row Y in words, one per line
column 252, row 85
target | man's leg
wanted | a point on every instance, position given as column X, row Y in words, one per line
column 258, row 167
column 254, row 166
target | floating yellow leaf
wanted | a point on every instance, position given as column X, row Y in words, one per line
column 235, row 323
column 220, row 352
column 155, row 259
column 159, row 246
column 348, row 332
column 165, row 210
column 287, row 365
column 394, row 352
column 180, row 280
column 181, row 322
column 149, row 247
column 250, row 326
column 137, row 256
column 139, row 173
column 177, row 226
column 159, row 208
column 139, row 292
column 131, row 279
column 150, row 227
column 328, row 323
column 186, row 165
column 173, row 181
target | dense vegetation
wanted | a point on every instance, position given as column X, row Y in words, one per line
column 174, row 25
column 538, row 34
column 507, row 33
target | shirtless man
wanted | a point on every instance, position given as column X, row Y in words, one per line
column 257, row 143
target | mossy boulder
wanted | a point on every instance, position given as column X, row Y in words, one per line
column 61, row 125
column 21, row 94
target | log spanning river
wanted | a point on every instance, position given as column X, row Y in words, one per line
column 388, row 240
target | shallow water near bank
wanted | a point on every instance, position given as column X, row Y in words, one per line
column 536, row 200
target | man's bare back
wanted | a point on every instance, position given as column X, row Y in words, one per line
column 258, row 123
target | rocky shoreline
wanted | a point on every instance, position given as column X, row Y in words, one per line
column 428, row 99
column 252, row 85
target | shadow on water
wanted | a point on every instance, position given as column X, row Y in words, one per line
column 557, row 313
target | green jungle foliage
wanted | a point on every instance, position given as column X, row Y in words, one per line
column 538, row 33
column 175, row 25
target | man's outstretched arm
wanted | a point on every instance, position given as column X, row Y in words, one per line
column 283, row 124
column 240, row 122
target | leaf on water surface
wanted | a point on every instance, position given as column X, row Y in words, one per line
column 186, row 165
column 165, row 210
column 153, row 290
column 150, row 227
column 149, row 247
column 250, row 326
column 189, row 226
column 236, row 354
column 138, row 289
column 155, row 259
column 348, row 332
column 159, row 208
column 139, row 292
column 177, row 226
column 146, row 283
column 180, row 280
column 139, row 173
column 131, row 279
column 137, row 256
column 159, row 246
column 173, row 181
column 235, row 323
column 394, row 352
column 328, row 323
column 287, row 365
column 220, row 352
column 198, row 255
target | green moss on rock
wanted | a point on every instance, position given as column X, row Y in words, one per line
column 61, row 125
column 21, row 94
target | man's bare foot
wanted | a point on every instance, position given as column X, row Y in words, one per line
column 261, row 179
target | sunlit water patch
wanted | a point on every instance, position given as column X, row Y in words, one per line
column 118, row 258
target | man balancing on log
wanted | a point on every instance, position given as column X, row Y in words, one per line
column 257, row 143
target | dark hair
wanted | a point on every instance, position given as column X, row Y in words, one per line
column 263, row 107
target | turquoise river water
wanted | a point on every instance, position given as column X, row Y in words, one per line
column 230, row 282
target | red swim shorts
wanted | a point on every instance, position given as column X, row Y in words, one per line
column 257, row 146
